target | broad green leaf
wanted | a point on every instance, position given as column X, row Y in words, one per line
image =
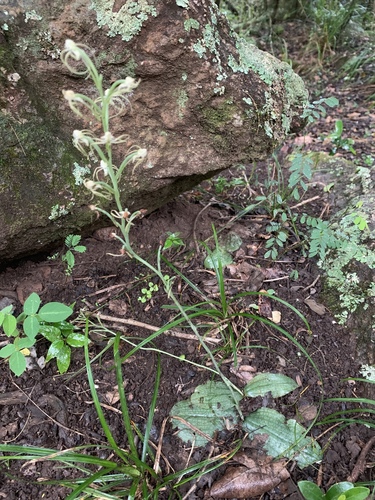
column 218, row 255
column 31, row 304
column 285, row 439
column 357, row 493
column 338, row 488
column 230, row 242
column 54, row 312
column 17, row 363
column 80, row 249
column 275, row 383
column 2, row 316
column 31, row 326
column 54, row 349
column 69, row 258
column 50, row 332
column 310, row 491
column 23, row 343
column 182, row 3
column 7, row 351
column 75, row 240
column 347, row 489
column 211, row 407
column 63, row 359
column 331, row 102
column 76, row 340
column 9, row 324
column 7, row 309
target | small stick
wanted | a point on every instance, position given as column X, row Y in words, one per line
column 134, row 322
column 360, row 465
column 305, row 202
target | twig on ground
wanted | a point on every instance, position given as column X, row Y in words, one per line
column 134, row 322
column 305, row 202
column 360, row 465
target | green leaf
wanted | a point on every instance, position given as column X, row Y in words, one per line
column 337, row 489
column 7, row 351
column 357, row 493
column 17, row 363
column 80, row 249
column 75, row 240
column 69, row 258
column 210, row 408
column 9, row 324
column 63, row 359
column 50, row 332
column 54, row 312
column 20, row 344
column 331, row 102
column 285, row 439
column 275, row 383
column 76, row 340
column 182, row 3
column 2, row 316
column 31, row 304
column 230, row 242
column 310, row 491
column 54, row 349
column 31, row 326
column 216, row 256
column 7, row 309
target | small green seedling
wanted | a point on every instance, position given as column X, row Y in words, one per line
column 147, row 293
column 338, row 141
column 49, row 321
column 71, row 242
column 173, row 241
column 339, row 491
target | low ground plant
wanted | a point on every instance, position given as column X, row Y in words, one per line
column 48, row 321
column 72, row 244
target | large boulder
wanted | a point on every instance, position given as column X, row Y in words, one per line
column 206, row 100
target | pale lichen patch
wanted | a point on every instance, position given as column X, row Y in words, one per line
column 127, row 21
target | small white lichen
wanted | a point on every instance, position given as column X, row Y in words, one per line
column 80, row 173
column 32, row 16
column 127, row 21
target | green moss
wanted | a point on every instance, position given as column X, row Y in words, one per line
column 218, row 121
column 128, row 20
column 34, row 162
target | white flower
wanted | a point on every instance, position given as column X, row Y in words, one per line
column 140, row 155
column 82, row 139
column 104, row 167
column 129, row 84
column 72, row 49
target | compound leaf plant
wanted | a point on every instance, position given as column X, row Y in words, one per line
column 48, row 321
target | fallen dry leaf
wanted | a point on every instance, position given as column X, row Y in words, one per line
column 315, row 306
column 257, row 476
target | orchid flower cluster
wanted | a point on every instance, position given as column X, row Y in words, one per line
column 109, row 103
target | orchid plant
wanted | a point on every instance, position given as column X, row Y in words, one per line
column 105, row 181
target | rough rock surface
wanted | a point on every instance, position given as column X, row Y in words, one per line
column 207, row 100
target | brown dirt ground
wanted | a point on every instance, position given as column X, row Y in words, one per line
column 43, row 408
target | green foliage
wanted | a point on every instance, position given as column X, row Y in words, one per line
column 211, row 408
column 338, row 141
column 173, row 241
column 48, row 321
column 147, row 293
column 339, row 491
column 72, row 244
column 316, row 110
